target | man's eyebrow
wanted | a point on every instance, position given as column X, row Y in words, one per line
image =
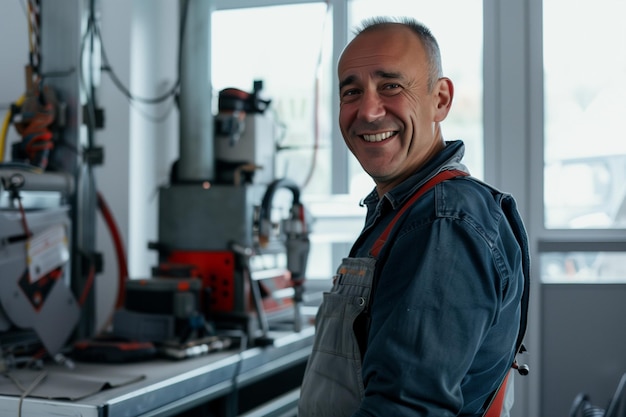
column 378, row 74
column 348, row 80
column 386, row 74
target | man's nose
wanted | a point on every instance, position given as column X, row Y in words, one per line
column 371, row 107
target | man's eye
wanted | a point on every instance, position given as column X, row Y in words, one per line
column 350, row 92
column 391, row 86
column 350, row 95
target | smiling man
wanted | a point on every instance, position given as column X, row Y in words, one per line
column 392, row 100
column 426, row 314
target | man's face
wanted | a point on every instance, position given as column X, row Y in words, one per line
column 388, row 117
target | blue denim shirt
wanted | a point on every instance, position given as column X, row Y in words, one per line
column 446, row 308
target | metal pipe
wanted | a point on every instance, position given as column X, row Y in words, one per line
column 197, row 161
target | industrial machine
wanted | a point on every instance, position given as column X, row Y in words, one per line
column 230, row 233
column 48, row 197
column 226, row 218
column 37, row 305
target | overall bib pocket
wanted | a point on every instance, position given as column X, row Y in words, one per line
column 335, row 321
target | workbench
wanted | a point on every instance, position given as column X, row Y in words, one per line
column 254, row 382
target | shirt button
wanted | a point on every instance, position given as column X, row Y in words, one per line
column 361, row 301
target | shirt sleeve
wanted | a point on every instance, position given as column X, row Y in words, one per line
column 437, row 296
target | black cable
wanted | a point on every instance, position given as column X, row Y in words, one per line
column 154, row 118
column 91, row 96
column 170, row 93
column 121, row 87
column 266, row 203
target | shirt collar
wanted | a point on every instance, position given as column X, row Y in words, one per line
column 449, row 158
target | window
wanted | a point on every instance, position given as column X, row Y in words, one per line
column 583, row 267
column 585, row 86
column 288, row 49
column 584, row 144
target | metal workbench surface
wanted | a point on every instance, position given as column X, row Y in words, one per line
column 167, row 387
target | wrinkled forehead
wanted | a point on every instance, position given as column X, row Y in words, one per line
column 391, row 45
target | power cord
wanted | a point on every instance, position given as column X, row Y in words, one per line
column 26, row 391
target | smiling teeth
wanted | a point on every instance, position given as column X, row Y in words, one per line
column 379, row 137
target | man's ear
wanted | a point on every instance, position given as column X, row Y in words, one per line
column 444, row 93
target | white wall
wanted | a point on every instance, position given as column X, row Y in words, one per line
column 140, row 143
column 13, row 58
column 112, row 177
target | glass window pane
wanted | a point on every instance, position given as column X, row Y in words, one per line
column 583, row 267
column 585, row 87
column 462, row 62
column 289, row 49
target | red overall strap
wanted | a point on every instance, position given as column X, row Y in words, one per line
column 440, row 177
column 495, row 408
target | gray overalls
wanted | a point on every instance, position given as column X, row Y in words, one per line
column 333, row 383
